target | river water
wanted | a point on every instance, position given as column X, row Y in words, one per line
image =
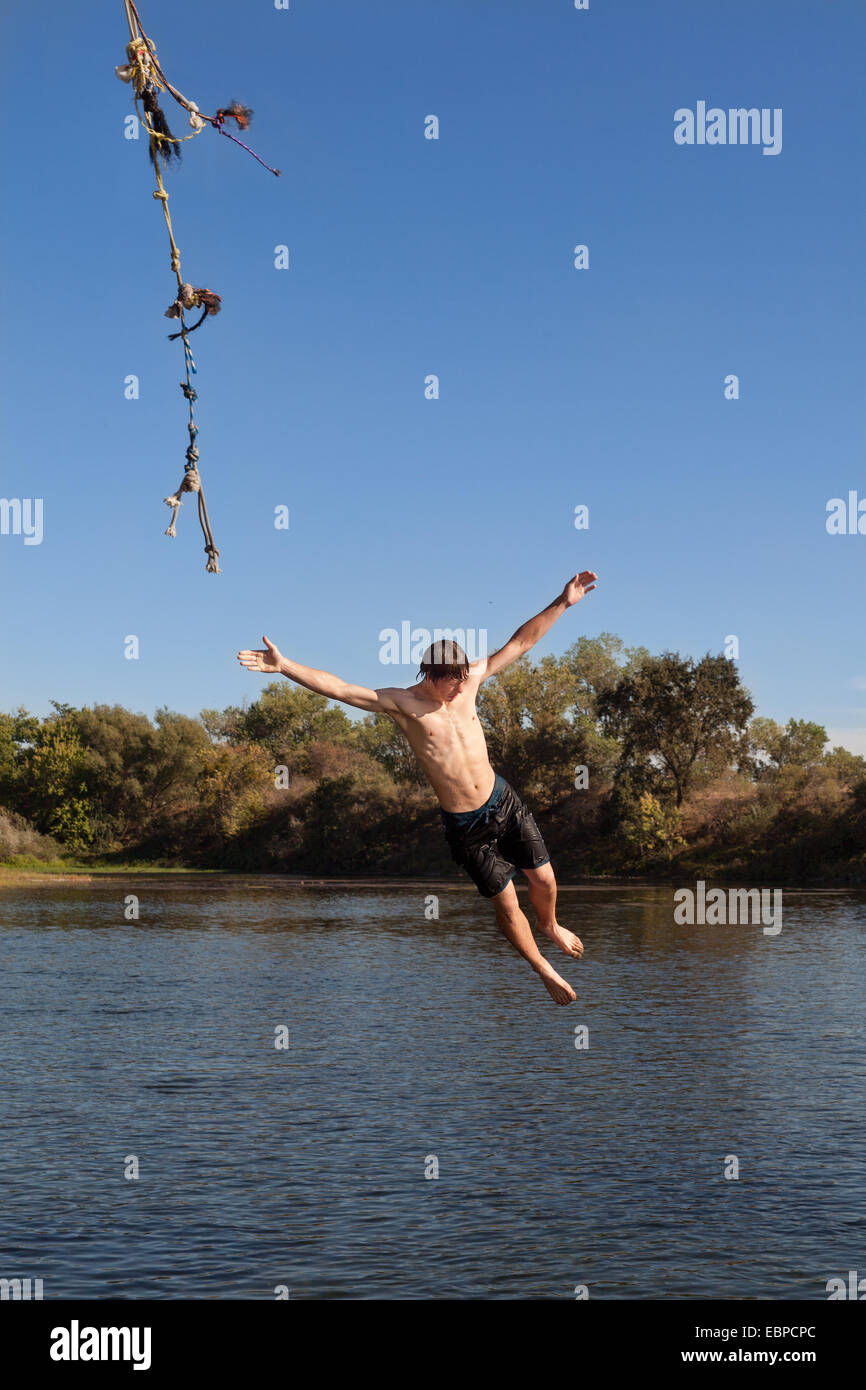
column 417, row 1045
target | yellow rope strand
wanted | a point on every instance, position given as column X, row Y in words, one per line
column 174, row 139
column 162, row 194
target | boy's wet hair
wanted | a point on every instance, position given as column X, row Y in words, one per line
column 445, row 660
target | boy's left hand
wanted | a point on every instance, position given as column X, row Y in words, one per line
column 578, row 586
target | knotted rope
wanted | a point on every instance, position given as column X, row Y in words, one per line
column 191, row 481
column 241, row 114
column 142, row 69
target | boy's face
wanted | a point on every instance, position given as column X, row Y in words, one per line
column 448, row 688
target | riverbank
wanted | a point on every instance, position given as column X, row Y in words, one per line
column 12, row 876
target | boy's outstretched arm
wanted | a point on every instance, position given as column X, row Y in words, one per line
column 271, row 662
column 534, row 629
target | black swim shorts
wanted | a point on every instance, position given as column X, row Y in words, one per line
column 495, row 841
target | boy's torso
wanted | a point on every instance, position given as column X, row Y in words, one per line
column 449, row 743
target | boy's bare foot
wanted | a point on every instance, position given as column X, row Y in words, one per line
column 558, row 988
column 565, row 940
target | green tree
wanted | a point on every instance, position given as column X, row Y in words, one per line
column 849, row 767
column 676, row 719
column 284, row 720
column 536, row 732
column 181, row 749
column 597, row 663
column 380, row 737
column 8, row 761
column 799, row 744
column 116, row 764
column 18, row 735
column 347, row 820
column 138, row 773
column 232, row 786
column 58, row 786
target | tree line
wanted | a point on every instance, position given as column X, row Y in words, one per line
column 634, row 763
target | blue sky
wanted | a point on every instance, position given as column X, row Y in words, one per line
column 453, row 257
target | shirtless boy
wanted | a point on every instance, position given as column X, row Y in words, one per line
column 489, row 830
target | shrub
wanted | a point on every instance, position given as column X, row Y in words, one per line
column 18, row 838
column 651, row 831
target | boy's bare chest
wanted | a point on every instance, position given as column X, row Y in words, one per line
column 445, row 728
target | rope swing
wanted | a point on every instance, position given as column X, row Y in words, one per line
column 148, row 80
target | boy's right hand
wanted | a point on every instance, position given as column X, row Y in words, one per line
column 269, row 661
